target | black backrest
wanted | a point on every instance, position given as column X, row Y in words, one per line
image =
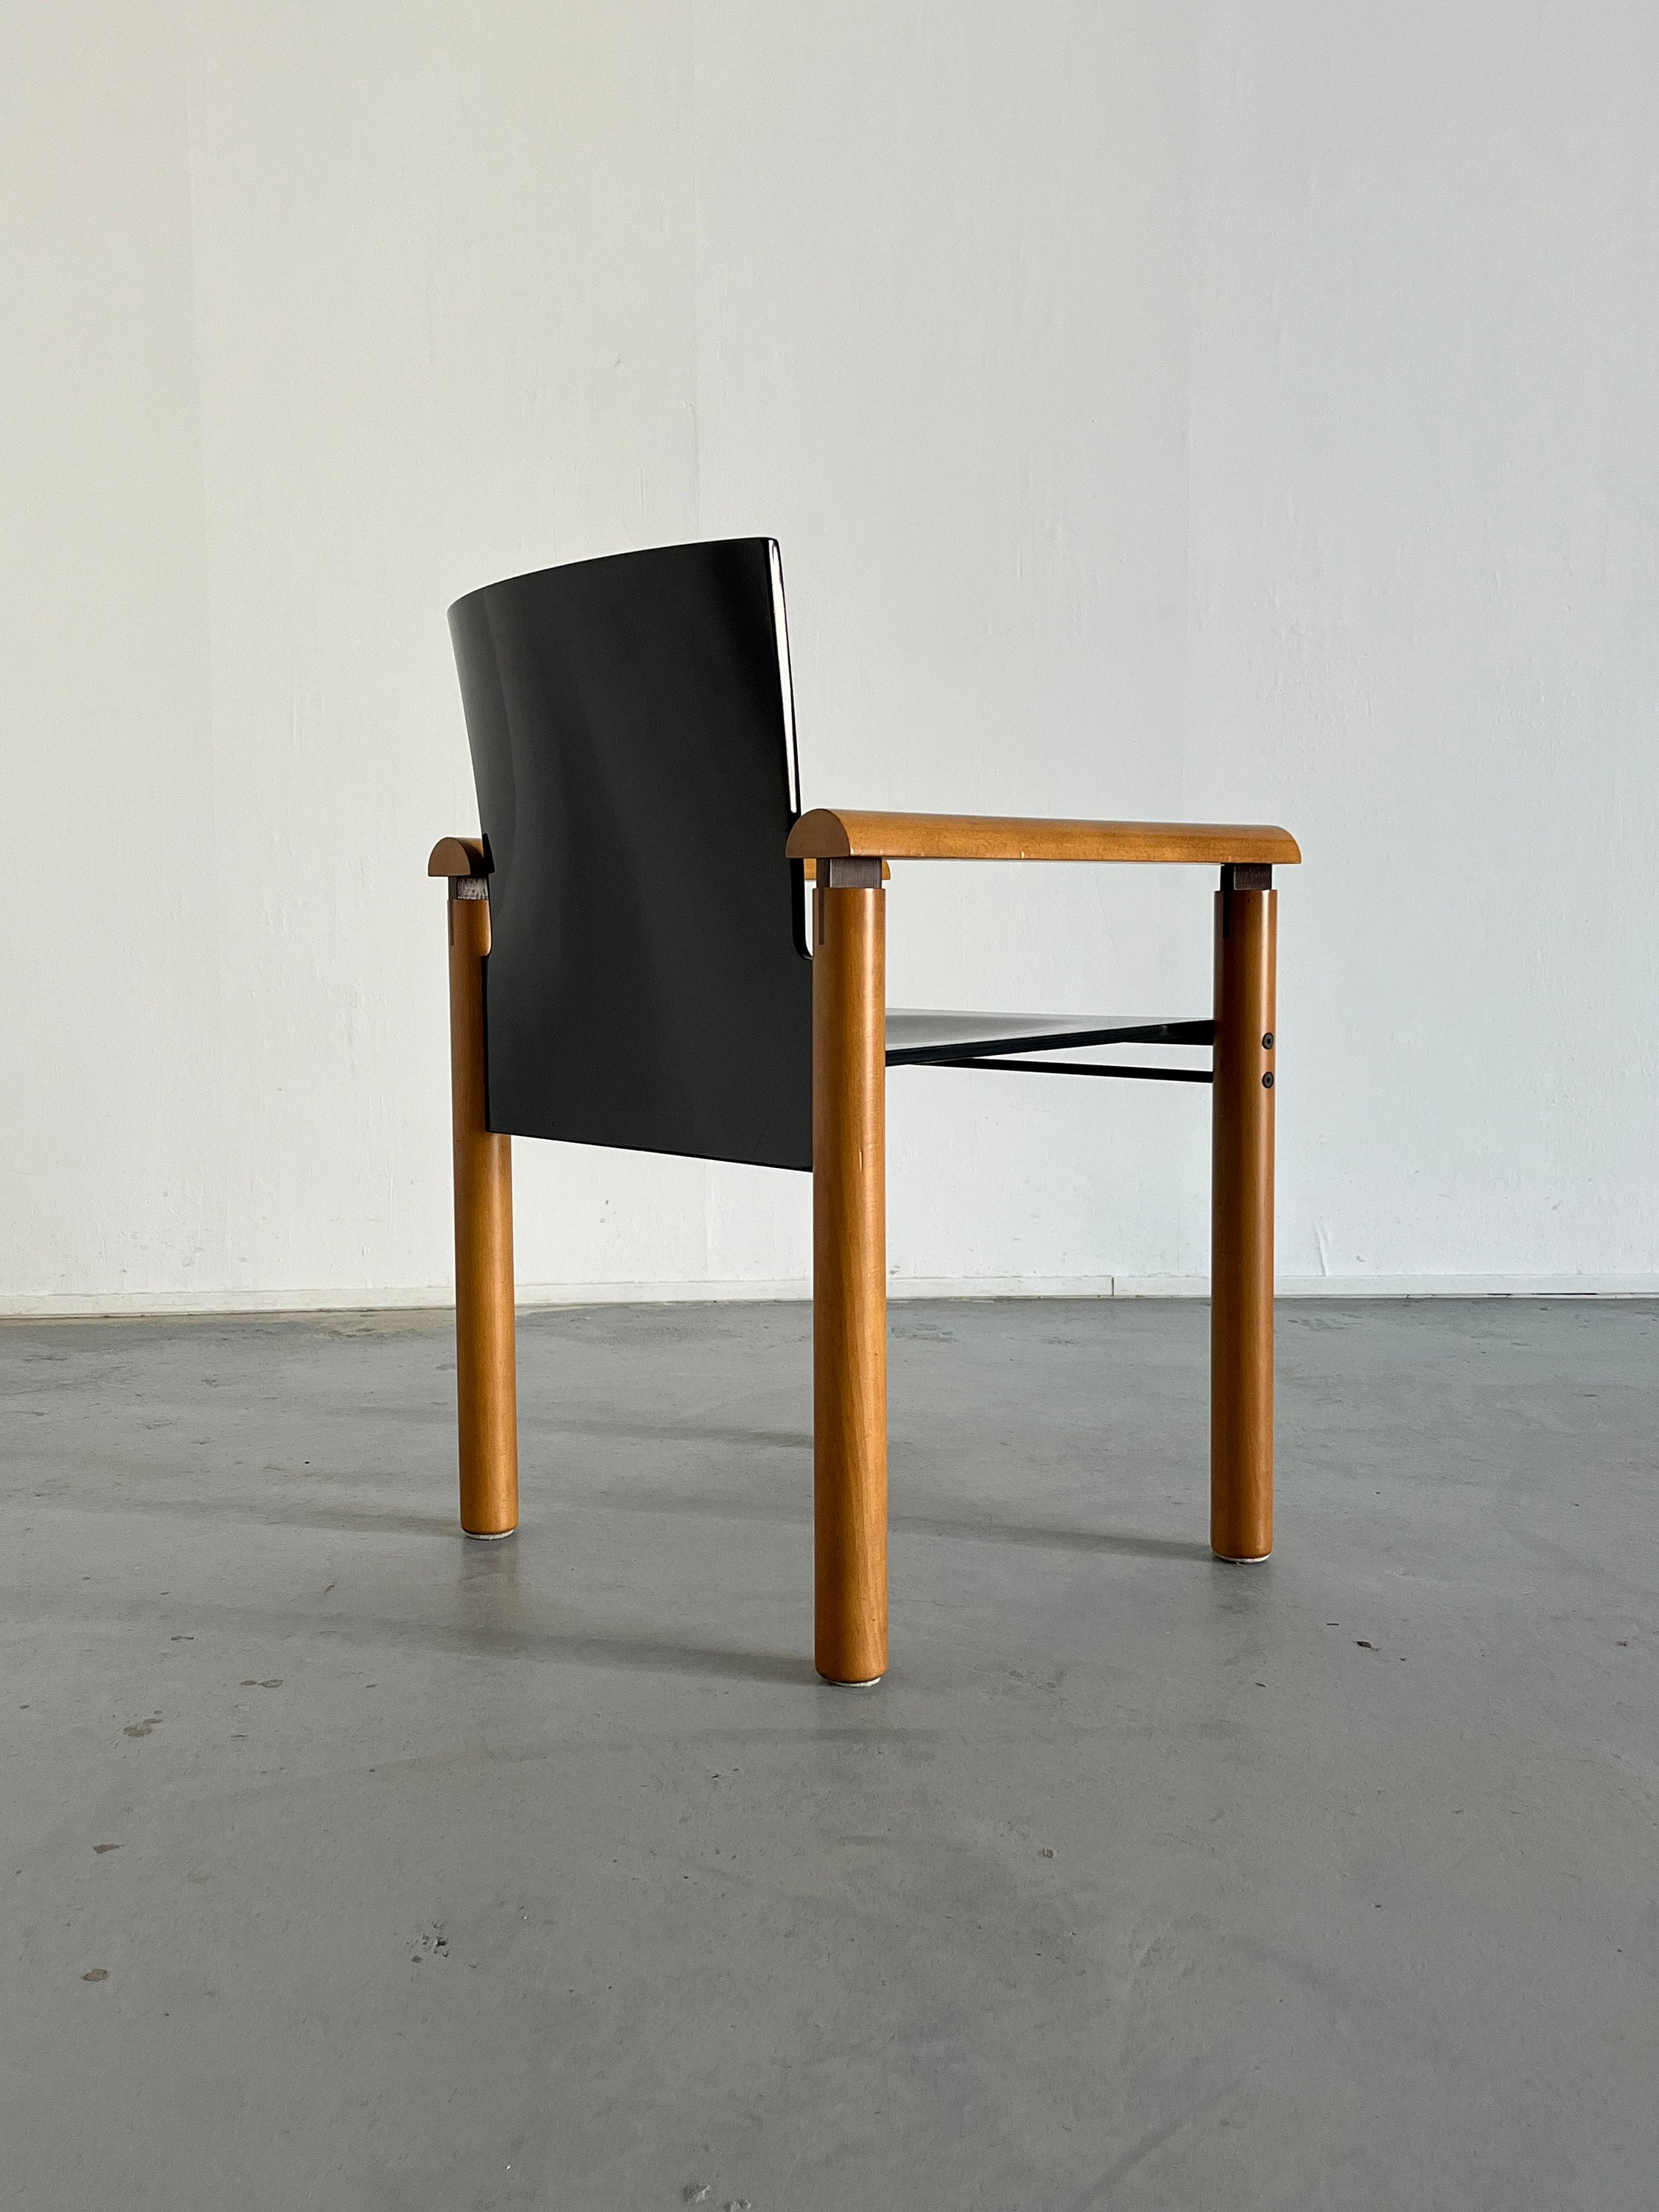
column 633, row 744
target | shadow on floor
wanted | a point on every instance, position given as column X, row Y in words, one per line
column 665, row 1433
column 280, row 1513
column 401, row 1521
column 524, row 1640
column 975, row 1529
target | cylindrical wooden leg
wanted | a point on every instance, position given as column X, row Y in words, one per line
column 1241, row 1203
column 849, row 1272
column 485, row 1379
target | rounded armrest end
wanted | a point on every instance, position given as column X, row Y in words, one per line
column 458, row 856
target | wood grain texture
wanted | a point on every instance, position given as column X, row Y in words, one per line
column 1241, row 1227
column 458, row 856
column 827, row 833
column 849, row 1283
column 485, row 1365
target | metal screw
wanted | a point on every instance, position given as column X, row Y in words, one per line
column 1268, row 1042
column 1266, row 1083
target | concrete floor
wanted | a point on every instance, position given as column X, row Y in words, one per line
column 351, row 1865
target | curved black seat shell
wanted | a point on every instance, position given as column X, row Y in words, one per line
column 632, row 730
column 630, row 724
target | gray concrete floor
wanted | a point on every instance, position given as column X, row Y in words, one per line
column 350, row 1865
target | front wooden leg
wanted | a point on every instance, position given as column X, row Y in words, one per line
column 1242, row 1214
column 486, row 1383
column 849, row 1272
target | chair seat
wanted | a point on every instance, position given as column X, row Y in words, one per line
column 917, row 1034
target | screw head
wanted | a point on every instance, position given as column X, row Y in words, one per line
column 1266, row 1083
column 1268, row 1042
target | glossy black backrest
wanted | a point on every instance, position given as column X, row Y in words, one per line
column 632, row 745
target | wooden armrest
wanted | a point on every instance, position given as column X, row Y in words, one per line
column 458, row 856
column 836, row 834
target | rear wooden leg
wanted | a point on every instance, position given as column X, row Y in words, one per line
column 485, row 1378
column 849, row 1272
column 1241, row 1214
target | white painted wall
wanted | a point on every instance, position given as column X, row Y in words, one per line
column 1166, row 407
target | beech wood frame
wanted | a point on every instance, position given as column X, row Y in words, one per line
column 848, row 855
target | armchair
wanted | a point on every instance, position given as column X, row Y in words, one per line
column 630, row 965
